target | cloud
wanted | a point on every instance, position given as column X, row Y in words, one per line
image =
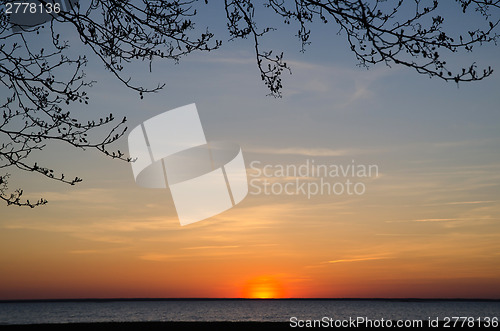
column 467, row 143
column 360, row 259
column 212, row 247
column 159, row 257
column 101, row 196
column 84, row 251
column 435, row 220
column 107, row 224
column 469, row 202
column 237, row 60
column 444, row 219
column 347, row 85
column 310, row 151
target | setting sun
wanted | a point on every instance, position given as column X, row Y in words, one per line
column 263, row 287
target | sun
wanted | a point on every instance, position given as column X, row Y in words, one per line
column 263, row 287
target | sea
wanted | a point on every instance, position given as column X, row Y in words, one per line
column 239, row 310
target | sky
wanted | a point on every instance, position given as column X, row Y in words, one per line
column 425, row 226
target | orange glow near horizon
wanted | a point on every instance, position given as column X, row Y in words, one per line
column 263, row 249
column 263, row 287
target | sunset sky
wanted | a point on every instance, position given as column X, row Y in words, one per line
column 428, row 225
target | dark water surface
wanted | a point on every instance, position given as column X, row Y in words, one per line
column 85, row 311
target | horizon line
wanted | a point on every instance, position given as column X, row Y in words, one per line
column 236, row 298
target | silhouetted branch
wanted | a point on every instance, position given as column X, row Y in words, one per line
column 41, row 85
column 378, row 32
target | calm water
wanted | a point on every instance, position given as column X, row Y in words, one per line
column 236, row 310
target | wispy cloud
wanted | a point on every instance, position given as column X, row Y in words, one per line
column 469, row 202
column 466, row 143
column 346, row 85
column 101, row 196
column 455, row 219
column 159, row 257
column 360, row 259
column 310, row 151
column 435, row 220
column 84, row 251
column 212, row 247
